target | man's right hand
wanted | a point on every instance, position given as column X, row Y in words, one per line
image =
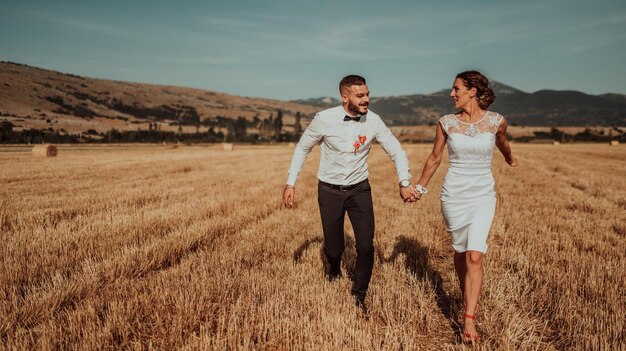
column 288, row 195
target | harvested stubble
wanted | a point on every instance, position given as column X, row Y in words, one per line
column 44, row 150
column 228, row 146
column 140, row 249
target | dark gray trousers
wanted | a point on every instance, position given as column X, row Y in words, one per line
column 334, row 203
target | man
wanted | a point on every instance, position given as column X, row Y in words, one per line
column 345, row 134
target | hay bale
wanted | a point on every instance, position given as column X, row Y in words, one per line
column 614, row 142
column 228, row 147
column 44, row 150
column 556, row 143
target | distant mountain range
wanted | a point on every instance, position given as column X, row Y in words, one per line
column 37, row 98
column 541, row 108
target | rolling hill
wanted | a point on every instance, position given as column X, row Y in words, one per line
column 36, row 98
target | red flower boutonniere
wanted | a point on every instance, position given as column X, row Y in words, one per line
column 357, row 144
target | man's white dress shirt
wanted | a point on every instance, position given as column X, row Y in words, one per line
column 341, row 162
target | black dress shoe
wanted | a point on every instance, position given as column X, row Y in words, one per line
column 332, row 277
column 360, row 303
column 333, row 274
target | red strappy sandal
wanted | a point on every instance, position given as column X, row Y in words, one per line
column 469, row 337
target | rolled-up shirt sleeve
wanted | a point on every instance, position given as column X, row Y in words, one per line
column 392, row 147
column 311, row 137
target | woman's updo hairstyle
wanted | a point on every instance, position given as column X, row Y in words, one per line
column 475, row 79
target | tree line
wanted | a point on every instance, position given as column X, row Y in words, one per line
column 223, row 129
column 212, row 130
column 586, row 135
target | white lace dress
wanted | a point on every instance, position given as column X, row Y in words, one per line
column 468, row 200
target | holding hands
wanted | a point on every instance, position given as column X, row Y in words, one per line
column 412, row 194
column 409, row 194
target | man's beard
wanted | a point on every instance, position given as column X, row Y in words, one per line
column 353, row 108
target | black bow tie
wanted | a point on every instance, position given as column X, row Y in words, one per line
column 348, row 118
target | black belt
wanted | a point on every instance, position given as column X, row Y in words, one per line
column 343, row 187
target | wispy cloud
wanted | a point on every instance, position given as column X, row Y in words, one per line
column 601, row 22
column 76, row 23
column 284, row 39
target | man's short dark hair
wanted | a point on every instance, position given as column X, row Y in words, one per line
column 350, row 80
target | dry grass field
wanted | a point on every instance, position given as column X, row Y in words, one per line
column 189, row 248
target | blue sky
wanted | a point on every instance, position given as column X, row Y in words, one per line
column 299, row 49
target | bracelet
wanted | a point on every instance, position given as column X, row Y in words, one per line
column 290, row 186
column 420, row 189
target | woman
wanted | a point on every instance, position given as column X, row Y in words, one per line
column 468, row 199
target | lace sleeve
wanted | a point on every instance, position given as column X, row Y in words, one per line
column 446, row 123
column 495, row 119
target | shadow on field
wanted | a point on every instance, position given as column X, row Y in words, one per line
column 417, row 263
column 297, row 255
column 348, row 259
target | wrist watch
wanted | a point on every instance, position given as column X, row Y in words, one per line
column 420, row 189
column 405, row 183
